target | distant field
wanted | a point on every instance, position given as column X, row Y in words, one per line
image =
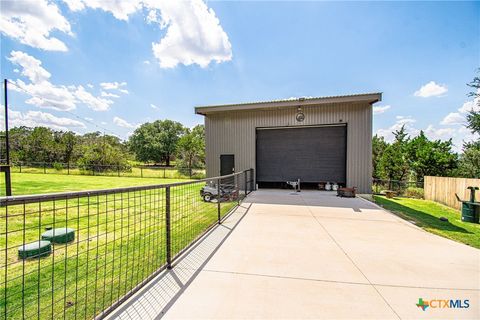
column 134, row 171
column 37, row 183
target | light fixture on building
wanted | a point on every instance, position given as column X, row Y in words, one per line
column 300, row 116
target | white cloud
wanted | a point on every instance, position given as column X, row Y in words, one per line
column 44, row 119
column 123, row 123
column 406, row 121
column 153, row 106
column 431, row 89
column 467, row 135
column 119, row 86
column 194, row 34
column 472, row 105
column 120, row 9
column 47, row 95
column 453, row 118
column 90, row 85
column 439, row 134
column 88, row 119
column 31, row 67
column 44, row 94
column 31, row 23
column 459, row 118
column 112, row 85
column 94, row 103
column 110, row 95
column 380, row 109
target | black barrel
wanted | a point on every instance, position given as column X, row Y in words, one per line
column 470, row 212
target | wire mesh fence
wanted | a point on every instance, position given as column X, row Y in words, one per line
column 121, row 170
column 400, row 188
column 78, row 255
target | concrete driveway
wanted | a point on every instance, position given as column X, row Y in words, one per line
column 313, row 255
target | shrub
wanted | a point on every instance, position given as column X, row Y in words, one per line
column 414, row 192
column 57, row 166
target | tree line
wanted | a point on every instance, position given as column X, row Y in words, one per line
column 157, row 143
column 409, row 158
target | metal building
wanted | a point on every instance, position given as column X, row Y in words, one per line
column 316, row 140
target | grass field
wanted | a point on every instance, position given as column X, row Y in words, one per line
column 426, row 215
column 37, row 183
column 138, row 172
column 120, row 240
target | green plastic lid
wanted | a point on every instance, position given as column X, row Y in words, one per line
column 35, row 249
column 59, row 235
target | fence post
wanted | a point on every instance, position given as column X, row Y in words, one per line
column 218, row 202
column 163, row 173
column 118, row 170
column 237, row 188
column 168, row 226
column 68, row 168
column 44, row 167
column 190, row 172
column 253, row 186
column 246, row 184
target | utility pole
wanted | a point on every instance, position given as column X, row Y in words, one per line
column 6, row 168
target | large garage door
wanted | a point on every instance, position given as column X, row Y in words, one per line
column 312, row 154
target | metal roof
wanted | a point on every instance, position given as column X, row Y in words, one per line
column 292, row 102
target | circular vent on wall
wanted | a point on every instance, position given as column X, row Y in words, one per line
column 300, row 117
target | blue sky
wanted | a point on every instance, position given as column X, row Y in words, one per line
column 92, row 64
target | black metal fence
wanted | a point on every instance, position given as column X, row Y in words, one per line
column 99, row 247
column 120, row 170
column 401, row 188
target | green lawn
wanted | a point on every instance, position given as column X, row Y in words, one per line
column 120, row 240
column 37, row 183
column 426, row 215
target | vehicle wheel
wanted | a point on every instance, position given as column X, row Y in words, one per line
column 207, row 197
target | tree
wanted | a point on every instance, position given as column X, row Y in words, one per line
column 469, row 165
column 393, row 162
column 156, row 141
column 102, row 152
column 378, row 148
column 68, row 141
column 191, row 148
column 473, row 117
column 470, row 162
column 430, row 158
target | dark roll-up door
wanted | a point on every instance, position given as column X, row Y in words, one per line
column 312, row 154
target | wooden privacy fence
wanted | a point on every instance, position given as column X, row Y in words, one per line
column 443, row 189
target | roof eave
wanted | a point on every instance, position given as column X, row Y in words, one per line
column 371, row 98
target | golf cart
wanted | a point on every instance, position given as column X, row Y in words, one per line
column 209, row 192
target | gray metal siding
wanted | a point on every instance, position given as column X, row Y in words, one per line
column 234, row 133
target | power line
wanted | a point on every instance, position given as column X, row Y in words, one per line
column 55, row 104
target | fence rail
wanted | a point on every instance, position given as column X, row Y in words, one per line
column 120, row 170
column 443, row 189
column 121, row 239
